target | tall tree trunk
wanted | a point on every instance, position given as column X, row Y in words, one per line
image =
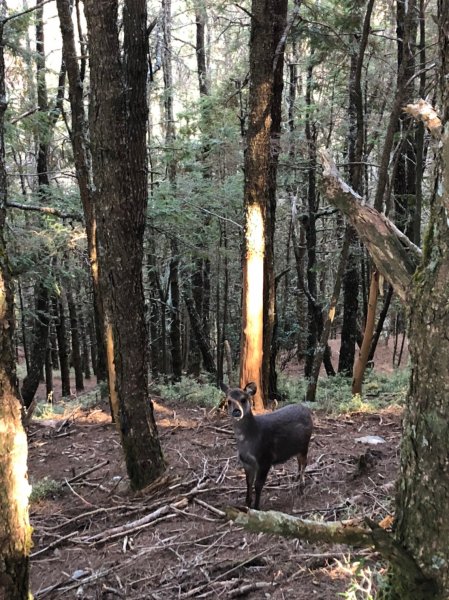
column 170, row 136
column 39, row 339
column 82, row 160
column 48, row 374
column 201, row 339
column 299, row 249
column 175, row 325
column 423, row 490
column 268, row 21
column 404, row 184
column 61, row 333
column 23, row 326
column 323, row 345
column 201, row 268
column 120, row 197
column 15, row 536
column 222, row 300
column 93, row 342
column 309, row 224
column 380, row 322
column 155, row 311
column 76, row 346
column 41, row 319
column 351, row 280
column 85, row 359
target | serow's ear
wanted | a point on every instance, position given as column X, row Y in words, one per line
column 250, row 388
column 224, row 388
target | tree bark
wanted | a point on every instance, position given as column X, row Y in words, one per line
column 222, row 299
column 15, row 530
column 119, row 160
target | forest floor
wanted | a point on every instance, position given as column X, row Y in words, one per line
column 95, row 539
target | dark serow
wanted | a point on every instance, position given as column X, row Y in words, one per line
column 267, row 439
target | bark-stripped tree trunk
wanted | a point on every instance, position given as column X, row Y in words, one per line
column 15, row 530
column 268, row 22
column 360, row 365
column 119, row 160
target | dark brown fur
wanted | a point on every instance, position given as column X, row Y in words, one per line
column 268, row 439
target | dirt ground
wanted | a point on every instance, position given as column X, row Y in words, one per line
column 97, row 540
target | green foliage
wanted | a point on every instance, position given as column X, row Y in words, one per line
column 66, row 407
column 47, row 410
column 16, row 30
column 189, row 390
column 335, row 396
column 44, row 488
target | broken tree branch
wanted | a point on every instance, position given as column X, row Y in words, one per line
column 45, row 209
column 395, row 259
column 351, row 533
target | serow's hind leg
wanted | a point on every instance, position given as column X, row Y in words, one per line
column 302, row 464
